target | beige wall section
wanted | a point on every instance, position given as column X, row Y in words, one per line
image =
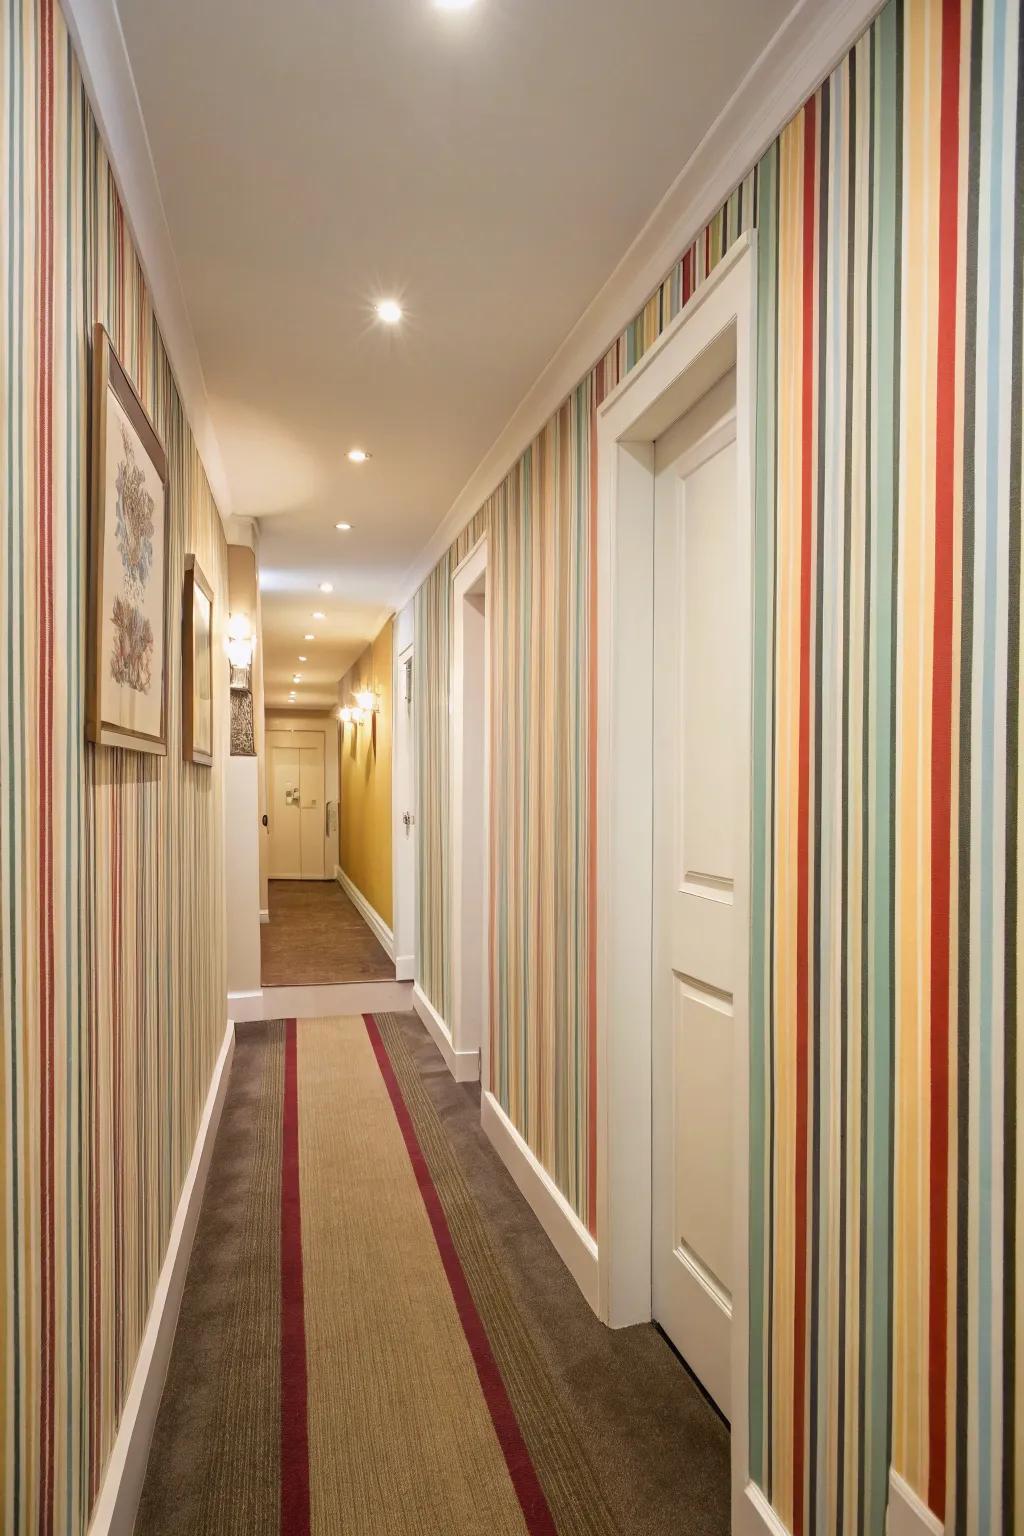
column 325, row 721
column 366, row 779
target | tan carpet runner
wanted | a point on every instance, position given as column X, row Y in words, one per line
column 377, row 1377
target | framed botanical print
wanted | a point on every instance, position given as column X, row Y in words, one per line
column 196, row 666
column 129, row 532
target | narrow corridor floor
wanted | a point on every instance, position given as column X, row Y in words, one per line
column 360, row 1348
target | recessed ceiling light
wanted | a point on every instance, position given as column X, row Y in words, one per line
column 343, row 527
column 319, row 615
column 325, row 586
column 296, row 677
column 302, row 658
column 357, row 455
column 390, row 311
column 309, row 637
column 453, row 5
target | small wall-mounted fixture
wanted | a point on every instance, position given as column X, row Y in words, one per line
column 241, row 641
column 368, row 701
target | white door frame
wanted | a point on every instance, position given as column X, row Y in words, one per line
column 467, row 575
column 403, row 799
column 715, row 331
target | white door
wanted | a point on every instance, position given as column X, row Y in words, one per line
column 285, row 858
column 297, row 807
column 311, row 812
column 404, row 830
column 699, row 731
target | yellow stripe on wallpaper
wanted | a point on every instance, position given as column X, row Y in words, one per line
column 365, row 778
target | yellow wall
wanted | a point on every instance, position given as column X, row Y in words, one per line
column 365, row 788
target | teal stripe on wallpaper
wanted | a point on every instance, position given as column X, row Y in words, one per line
column 761, row 672
column 883, row 450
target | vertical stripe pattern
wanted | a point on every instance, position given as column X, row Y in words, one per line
column 886, row 1157
column 111, row 865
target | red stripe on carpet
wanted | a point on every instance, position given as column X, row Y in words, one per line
column 506, row 1426
column 294, row 1399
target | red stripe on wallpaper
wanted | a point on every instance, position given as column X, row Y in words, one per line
column 521, row 1471
column 803, row 827
column 942, row 684
column 44, row 764
column 294, row 1385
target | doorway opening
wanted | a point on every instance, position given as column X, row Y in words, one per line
column 316, row 935
column 469, row 769
column 675, row 598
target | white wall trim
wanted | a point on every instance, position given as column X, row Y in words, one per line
column 713, row 334
column 324, row 1001
column 371, row 916
column 405, row 967
column 759, row 1517
column 464, row 1066
column 121, row 1489
column 102, row 53
column 570, row 1238
column 908, row 1514
column 813, row 37
column 468, row 1033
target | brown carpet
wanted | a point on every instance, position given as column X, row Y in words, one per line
column 316, row 936
column 612, row 1431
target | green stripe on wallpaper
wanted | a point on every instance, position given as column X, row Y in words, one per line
column 886, row 1155
column 111, row 865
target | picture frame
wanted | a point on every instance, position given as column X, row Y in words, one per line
column 196, row 666
column 129, row 549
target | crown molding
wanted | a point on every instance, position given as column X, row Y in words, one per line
column 99, row 44
column 812, row 39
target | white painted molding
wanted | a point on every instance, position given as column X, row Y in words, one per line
column 405, row 967
column 464, row 1066
column 95, row 28
column 371, row 917
column 760, row 1518
column 908, row 1514
column 264, row 914
column 811, row 40
column 121, row 1489
column 569, row 1237
column 343, row 998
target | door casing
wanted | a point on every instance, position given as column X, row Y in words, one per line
column 715, row 331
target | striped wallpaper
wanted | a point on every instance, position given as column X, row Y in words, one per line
column 112, row 882
column 886, row 1294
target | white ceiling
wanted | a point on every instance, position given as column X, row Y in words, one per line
column 489, row 167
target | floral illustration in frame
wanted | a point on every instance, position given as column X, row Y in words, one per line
column 128, row 554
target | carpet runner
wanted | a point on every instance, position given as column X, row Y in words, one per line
column 375, row 1375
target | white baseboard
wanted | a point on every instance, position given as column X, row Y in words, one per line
column 908, row 1514
column 373, row 919
column 572, row 1242
column 405, row 967
column 339, row 998
column 264, row 914
column 118, row 1501
column 759, row 1519
column 464, row 1066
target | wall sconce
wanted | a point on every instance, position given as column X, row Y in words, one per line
column 368, row 701
column 241, row 641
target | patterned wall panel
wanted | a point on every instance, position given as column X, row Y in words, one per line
column 886, row 1289
column 111, row 863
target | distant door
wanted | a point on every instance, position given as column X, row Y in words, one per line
column 698, row 734
column 296, row 805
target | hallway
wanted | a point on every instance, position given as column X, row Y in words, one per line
column 376, row 1335
column 316, row 936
